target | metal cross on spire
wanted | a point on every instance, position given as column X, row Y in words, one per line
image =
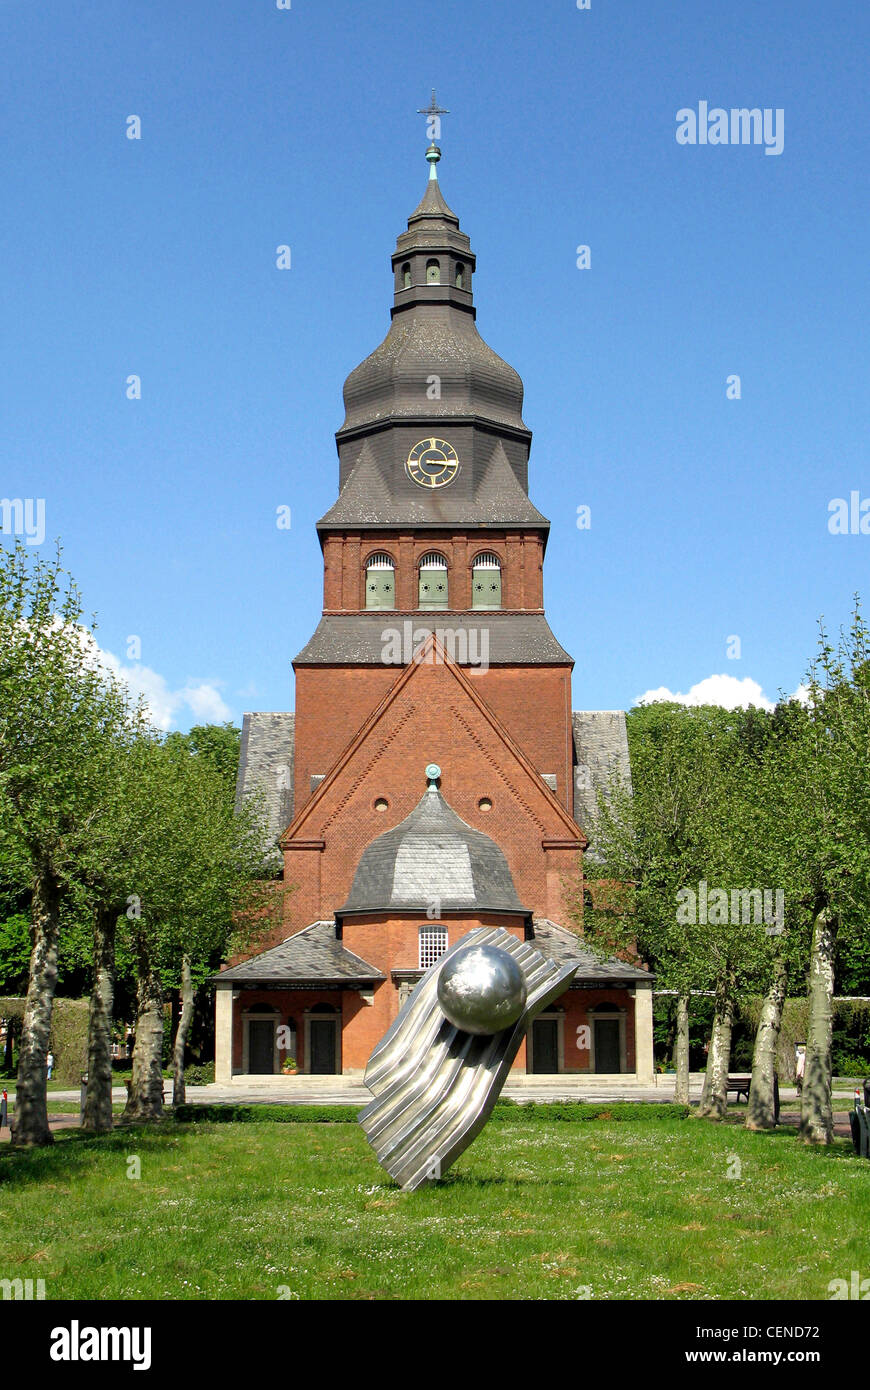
column 434, row 113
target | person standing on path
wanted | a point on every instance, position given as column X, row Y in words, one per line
column 49, row 1062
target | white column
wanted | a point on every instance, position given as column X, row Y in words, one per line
column 643, row 1034
column 223, row 1035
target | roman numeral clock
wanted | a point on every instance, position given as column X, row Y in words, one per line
column 432, row 463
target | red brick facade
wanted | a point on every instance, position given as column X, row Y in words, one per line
column 364, row 1018
column 521, row 555
column 434, row 712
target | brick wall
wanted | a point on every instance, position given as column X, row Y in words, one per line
column 344, row 561
column 432, row 718
column 533, row 703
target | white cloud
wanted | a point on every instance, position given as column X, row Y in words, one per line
column 731, row 692
column 201, row 698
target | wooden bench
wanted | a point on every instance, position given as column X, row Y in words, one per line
column 740, row 1086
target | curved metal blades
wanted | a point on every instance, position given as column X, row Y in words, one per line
column 434, row 1085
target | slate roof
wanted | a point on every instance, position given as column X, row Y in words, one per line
column 600, row 752
column 516, row 639
column 315, row 956
column 266, row 764
column 391, row 382
column 565, row 948
column 497, row 499
column 312, row 955
column 432, row 856
column 433, row 204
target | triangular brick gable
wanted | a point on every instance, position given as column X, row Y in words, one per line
column 432, row 713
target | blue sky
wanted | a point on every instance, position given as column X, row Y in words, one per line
column 263, row 127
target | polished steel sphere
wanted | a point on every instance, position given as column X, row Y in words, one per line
column 482, row 989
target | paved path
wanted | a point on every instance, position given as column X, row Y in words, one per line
column 347, row 1090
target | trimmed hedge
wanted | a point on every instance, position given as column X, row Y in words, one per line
column 505, row 1110
column 850, row 1049
column 278, row 1114
column 573, row 1111
column 68, row 1039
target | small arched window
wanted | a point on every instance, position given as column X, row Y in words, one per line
column 380, row 582
column 406, row 277
column 433, row 272
column 433, row 944
column 486, row 581
column 433, row 581
column 460, row 276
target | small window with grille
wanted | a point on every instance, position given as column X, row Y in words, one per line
column 433, row 273
column 433, row 944
column 486, row 581
column 433, row 581
column 380, row 582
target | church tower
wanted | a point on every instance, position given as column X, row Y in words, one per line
column 433, row 528
column 433, row 779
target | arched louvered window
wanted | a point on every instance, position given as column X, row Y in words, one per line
column 433, row 944
column 460, row 276
column 406, row 276
column 433, row 581
column 433, row 272
column 380, row 582
column 486, row 581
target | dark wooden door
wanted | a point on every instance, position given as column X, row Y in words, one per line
column 261, row 1046
column 607, row 1044
column 545, row 1045
column 321, row 1040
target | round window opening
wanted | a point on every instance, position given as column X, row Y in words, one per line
column 484, row 804
column 382, row 804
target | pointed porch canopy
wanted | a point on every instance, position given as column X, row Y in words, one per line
column 312, row 957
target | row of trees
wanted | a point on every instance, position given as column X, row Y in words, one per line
column 725, row 801
column 103, row 821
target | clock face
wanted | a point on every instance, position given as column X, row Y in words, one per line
column 433, row 463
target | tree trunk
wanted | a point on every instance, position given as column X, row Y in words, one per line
column 30, row 1119
column 145, row 1101
column 761, row 1108
column 181, row 1032
column 817, row 1120
column 714, row 1099
column 98, row 1102
column 681, row 1052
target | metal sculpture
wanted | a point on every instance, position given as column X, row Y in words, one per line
column 438, row 1071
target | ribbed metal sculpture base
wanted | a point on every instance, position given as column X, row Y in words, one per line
column 434, row 1084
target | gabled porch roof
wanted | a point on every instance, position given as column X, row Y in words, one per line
column 312, row 956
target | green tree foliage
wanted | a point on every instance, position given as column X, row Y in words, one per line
column 832, row 788
column 192, row 878
column 14, row 953
column 700, row 820
column 62, row 719
column 217, row 744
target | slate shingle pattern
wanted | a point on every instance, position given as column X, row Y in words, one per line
column 357, row 639
column 266, row 765
column 600, row 752
column 432, row 856
column 313, row 955
column 565, row 948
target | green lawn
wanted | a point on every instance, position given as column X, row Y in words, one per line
column 536, row 1208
